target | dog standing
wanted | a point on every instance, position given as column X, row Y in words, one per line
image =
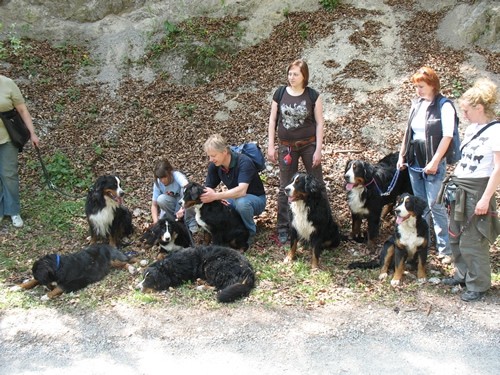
column 222, row 223
column 312, row 219
column 224, row 268
column 367, row 185
column 107, row 217
column 72, row 272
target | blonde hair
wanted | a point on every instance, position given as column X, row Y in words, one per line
column 483, row 92
column 215, row 142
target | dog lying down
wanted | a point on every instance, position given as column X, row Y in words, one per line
column 223, row 268
column 72, row 272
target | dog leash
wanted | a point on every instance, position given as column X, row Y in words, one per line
column 50, row 184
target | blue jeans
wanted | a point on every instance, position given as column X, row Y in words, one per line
column 249, row 206
column 427, row 187
column 170, row 205
column 9, row 180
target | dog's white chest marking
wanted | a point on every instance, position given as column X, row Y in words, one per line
column 303, row 226
column 102, row 220
column 408, row 235
column 199, row 220
column 356, row 204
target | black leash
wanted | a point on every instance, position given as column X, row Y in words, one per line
column 50, row 184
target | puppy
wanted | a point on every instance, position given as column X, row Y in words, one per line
column 72, row 272
column 226, row 269
column 107, row 217
column 169, row 234
column 222, row 223
column 312, row 219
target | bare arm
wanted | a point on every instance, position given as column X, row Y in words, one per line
column 320, row 121
column 211, row 195
column 25, row 115
column 271, row 152
column 493, row 182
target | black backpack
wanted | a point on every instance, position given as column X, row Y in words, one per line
column 453, row 154
column 278, row 95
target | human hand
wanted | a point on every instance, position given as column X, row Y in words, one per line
column 208, row 196
column 180, row 213
column 401, row 163
column 482, row 207
column 271, row 154
column 34, row 140
column 316, row 158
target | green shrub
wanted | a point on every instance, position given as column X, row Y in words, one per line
column 329, row 4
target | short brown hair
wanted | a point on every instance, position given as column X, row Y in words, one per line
column 429, row 76
column 304, row 69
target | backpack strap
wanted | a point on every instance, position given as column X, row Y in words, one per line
column 479, row 133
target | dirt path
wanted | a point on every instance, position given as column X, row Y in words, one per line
column 339, row 339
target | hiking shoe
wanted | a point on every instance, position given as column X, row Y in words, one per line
column 17, row 221
column 447, row 259
column 451, row 281
column 470, row 296
column 283, row 237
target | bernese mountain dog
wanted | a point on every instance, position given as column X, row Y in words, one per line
column 223, row 268
column 368, row 192
column 409, row 243
column 72, row 272
column 107, row 217
column 312, row 219
column 221, row 223
column 169, row 234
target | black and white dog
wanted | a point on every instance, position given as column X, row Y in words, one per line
column 223, row 268
column 107, row 217
column 367, row 186
column 64, row 273
column 169, row 234
column 222, row 223
column 312, row 219
column 408, row 243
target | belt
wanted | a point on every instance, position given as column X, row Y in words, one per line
column 299, row 143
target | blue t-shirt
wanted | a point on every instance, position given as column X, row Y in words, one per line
column 241, row 170
column 174, row 188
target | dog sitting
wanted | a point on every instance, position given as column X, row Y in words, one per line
column 312, row 219
column 221, row 222
column 226, row 269
column 107, row 217
column 367, row 185
column 72, row 272
column 169, row 234
column 409, row 242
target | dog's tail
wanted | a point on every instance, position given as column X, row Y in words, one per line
column 364, row 265
column 235, row 291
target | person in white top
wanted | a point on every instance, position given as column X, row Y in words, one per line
column 474, row 222
column 423, row 150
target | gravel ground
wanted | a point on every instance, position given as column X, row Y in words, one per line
column 343, row 338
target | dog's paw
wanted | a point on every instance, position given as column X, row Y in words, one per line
column 45, row 297
column 15, row 288
column 395, row 282
column 288, row 259
column 422, row 281
column 382, row 276
column 131, row 269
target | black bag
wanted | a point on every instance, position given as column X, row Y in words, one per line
column 450, row 194
column 18, row 131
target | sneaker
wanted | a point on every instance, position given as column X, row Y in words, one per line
column 451, row 281
column 470, row 296
column 17, row 221
column 283, row 237
column 446, row 259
